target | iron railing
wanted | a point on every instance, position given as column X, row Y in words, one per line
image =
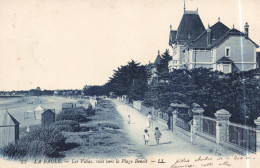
column 242, row 136
column 183, row 124
column 209, row 126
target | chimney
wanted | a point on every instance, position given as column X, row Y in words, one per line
column 246, row 29
column 209, row 36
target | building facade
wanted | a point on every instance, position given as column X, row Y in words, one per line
column 216, row 47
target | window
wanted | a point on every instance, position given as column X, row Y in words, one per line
column 227, row 51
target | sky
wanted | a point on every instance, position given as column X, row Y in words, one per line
column 66, row 44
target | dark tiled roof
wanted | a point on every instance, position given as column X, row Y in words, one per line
column 217, row 31
column 190, row 24
column 149, row 66
column 157, row 60
column 233, row 32
column 224, row 60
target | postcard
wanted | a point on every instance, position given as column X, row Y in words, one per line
column 129, row 83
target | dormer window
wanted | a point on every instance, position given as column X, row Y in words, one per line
column 227, row 51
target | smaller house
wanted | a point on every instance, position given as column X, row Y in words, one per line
column 48, row 118
column 152, row 68
column 9, row 129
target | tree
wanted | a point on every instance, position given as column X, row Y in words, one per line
column 158, row 93
column 162, row 67
column 94, row 91
column 130, row 80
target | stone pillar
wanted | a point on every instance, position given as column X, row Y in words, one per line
column 196, row 123
column 257, row 122
column 222, row 126
column 174, row 118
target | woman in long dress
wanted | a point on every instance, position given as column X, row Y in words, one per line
column 149, row 120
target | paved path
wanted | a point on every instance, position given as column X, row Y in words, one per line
column 170, row 143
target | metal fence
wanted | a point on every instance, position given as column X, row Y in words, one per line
column 242, row 136
column 165, row 116
column 183, row 124
column 209, row 126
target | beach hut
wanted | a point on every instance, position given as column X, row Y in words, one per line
column 38, row 112
column 29, row 114
column 9, row 129
column 66, row 106
column 48, row 117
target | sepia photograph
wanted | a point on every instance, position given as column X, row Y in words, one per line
column 129, row 83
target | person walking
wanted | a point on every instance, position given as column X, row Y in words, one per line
column 149, row 120
column 146, row 137
column 157, row 135
column 129, row 119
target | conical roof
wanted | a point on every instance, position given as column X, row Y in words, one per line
column 157, row 60
column 190, row 26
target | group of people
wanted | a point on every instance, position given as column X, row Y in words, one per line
column 157, row 135
column 149, row 124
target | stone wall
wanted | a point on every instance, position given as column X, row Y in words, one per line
column 218, row 143
column 137, row 105
column 145, row 110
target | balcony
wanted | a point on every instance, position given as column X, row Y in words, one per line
column 174, row 64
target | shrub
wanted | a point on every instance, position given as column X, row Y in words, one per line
column 67, row 125
column 50, row 136
column 39, row 148
column 39, row 142
column 14, row 151
column 78, row 114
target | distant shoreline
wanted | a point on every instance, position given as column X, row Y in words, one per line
column 10, row 96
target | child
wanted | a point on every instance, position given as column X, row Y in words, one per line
column 157, row 134
column 28, row 129
column 129, row 119
column 146, row 137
